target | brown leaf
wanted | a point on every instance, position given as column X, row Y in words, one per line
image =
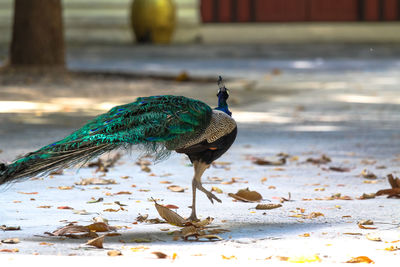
column 314, row 215
column 70, row 229
column 111, row 210
column 182, row 77
column 57, row 172
column 189, row 231
column 170, row 216
column 360, row 259
column 10, row 241
column 246, row 195
column 113, row 253
column 96, row 181
column 123, row 193
column 366, row 227
column 176, row 188
column 270, row 162
column 394, row 182
column 390, row 192
column 268, row 206
column 100, row 227
column 95, row 200
column 44, row 207
column 368, row 175
column 373, row 237
column 65, row 187
column 367, row 196
column 210, row 237
column 65, row 208
column 9, row 250
column 96, row 242
column 159, row 254
column 28, row 193
column 145, row 168
column 322, row 160
column 203, row 223
column 339, row 169
column 10, row 228
column 216, row 189
column 366, row 222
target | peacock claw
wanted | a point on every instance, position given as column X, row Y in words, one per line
column 211, row 196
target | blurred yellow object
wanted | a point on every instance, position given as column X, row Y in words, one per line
column 153, row 20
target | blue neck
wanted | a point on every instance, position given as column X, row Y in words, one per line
column 222, row 105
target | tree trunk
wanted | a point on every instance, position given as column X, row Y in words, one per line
column 38, row 36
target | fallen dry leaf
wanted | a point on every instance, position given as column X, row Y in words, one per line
column 269, row 162
column 228, row 257
column 392, row 248
column 246, row 195
column 113, row 253
column 366, row 227
column 65, row 187
column 96, row 242
column 100, row 227
column 314, row 215
column 170, row 216
column 203, row 223
column 189, row 231
column 96, row 181
column 65, row 208
column 216, row 189
column 366, row 222
column 268, row 206
column 10, row 228
column 145, row 168
column 322, row 160
column 57, row 172
column 176, row 188
column 9, row 250
column 305, row 235
column 304, row 259
column 43, row 207
column 79, row 231
column 100, row 199
column 28, row 193
column 367, row 174
column 373, row 237
column 182, row 77
column 123, row 193
column 339, row 169
column 394, row 191
column 111, row 210
column 367, row 196
column 360, row 259
column 70, row 229
column 159, row 254
column 10, row 241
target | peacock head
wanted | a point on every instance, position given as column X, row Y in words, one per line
column 223, row 95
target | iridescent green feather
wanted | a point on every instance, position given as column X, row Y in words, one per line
column 158, row 123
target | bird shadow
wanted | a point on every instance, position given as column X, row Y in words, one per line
column 236, row 231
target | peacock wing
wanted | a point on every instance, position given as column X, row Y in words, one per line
column 169, row 120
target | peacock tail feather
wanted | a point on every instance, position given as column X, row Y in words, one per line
column 159, row 124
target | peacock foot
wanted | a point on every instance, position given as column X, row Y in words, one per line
column 193, row 218
column 211, row 196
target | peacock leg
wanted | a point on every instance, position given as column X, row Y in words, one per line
column 199, row 168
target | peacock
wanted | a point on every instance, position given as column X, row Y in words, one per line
column 157, row 124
